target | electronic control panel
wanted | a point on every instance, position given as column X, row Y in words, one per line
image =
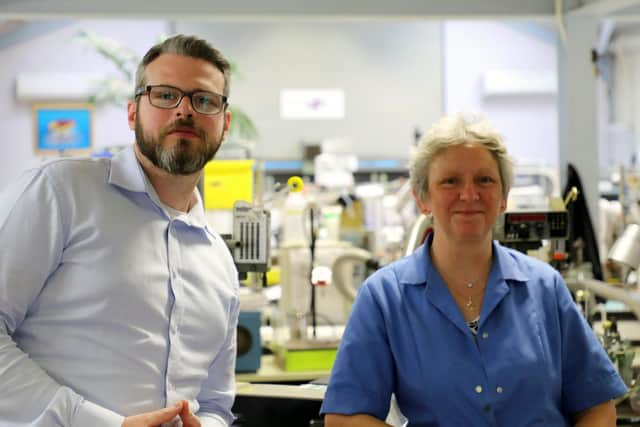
column 532, row 226
column 251, row 237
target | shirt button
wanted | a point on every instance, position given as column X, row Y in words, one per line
column 478, row 389
column 499, row 390
column 485, row 335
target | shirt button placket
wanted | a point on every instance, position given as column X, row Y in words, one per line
column 174, row 318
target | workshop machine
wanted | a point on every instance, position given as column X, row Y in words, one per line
column 249, row 245
column 526, row 230
column 250, row 241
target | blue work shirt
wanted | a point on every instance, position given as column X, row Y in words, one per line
column 109, row 305
column 534, row 361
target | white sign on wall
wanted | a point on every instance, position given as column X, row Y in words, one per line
column 314, row 104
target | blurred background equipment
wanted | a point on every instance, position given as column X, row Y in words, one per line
column 626, row 252
column 249, row 343
column 250, row 248
column 525, row 230
column 250, row 242
column 344, row 274
column 418, row 233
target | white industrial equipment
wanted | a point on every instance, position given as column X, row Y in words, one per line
column 343, row 270
column 626, row 250
column 250, row 241
column 332, row 308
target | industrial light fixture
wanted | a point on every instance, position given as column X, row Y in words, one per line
column 626, row 250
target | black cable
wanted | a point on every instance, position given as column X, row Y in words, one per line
column 312, row 249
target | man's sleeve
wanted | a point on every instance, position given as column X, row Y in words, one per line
column 218, row 391
column 31, row 244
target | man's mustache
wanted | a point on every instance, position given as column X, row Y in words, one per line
column 184, row 124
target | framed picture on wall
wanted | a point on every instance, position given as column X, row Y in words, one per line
column 63, row 129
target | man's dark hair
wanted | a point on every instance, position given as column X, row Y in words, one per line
column 187, row 46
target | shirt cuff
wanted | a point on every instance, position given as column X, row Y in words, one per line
column 212, row 420
column 90, row 414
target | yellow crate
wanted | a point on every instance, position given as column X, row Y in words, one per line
column 226, row 181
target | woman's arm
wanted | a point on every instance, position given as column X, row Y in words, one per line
column 601, row 415
column 358, row 420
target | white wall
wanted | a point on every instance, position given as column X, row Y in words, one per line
column 624, row 130
column 529, row 123
column 55, row 51
column 391, row 73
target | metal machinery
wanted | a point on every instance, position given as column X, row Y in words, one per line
column 526, row 230
column 626, row 253
column 250, row 241
column 249, row 245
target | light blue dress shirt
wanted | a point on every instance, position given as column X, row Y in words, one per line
column 108, row 307
column 534, row 361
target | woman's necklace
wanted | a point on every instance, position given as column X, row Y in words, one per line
column 470, row 304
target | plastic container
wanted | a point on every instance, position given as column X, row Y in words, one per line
column 294, row 221
column 330, row 221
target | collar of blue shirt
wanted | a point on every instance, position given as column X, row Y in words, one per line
column 504, row 261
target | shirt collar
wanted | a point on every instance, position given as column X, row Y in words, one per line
column 419, row 264
column 126, row 172
column 505, row 261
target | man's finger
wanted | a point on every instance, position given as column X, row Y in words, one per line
column 163, row 415
column 188, row 419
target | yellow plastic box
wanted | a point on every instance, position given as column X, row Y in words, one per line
column 226, row 181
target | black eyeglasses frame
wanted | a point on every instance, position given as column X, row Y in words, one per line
column 146, row 90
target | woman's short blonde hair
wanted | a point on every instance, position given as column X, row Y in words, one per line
column 455, row 130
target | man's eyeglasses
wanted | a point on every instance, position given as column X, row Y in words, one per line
column 168, row 97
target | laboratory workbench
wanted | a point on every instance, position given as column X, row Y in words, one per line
column 270, row 372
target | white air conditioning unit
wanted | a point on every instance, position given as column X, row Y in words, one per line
column 48, row 86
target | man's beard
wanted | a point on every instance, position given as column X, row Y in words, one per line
column 186, row 156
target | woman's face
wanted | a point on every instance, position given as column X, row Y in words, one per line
column 464, row 194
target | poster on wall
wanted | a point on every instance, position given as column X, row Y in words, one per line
column 312, row 104
column 62, row 129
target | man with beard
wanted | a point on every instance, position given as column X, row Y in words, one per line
column 118, row 303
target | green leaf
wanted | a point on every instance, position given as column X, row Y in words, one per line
column 241, row 125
